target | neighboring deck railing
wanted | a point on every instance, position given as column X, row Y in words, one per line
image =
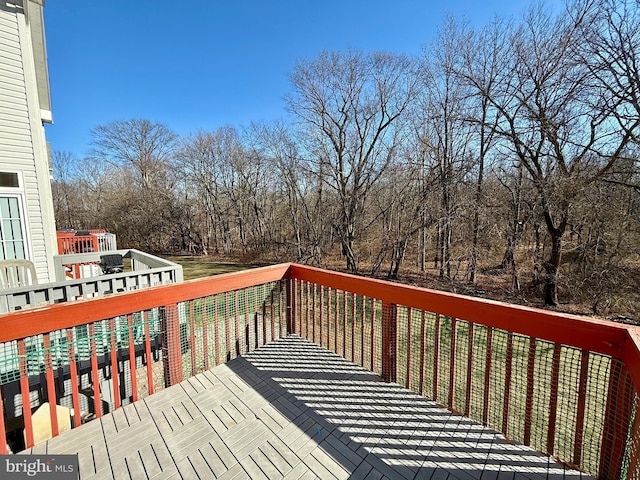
column 563, row 384
column 78, row 276
column 95, row 241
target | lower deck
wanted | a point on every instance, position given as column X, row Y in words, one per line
column 292, row 409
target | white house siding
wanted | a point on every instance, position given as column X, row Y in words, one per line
column 22, row 143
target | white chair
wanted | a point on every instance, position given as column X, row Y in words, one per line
column 17, row 273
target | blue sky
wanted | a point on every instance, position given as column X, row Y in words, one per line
column 209, row 63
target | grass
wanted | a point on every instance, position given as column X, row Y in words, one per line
column 199, row 267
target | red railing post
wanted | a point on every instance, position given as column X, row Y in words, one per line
column 171, row 345
column 147, row 350
column 51, row 388
column 620, row 393
column 389, row 338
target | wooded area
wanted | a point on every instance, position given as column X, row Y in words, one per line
column 510, row 150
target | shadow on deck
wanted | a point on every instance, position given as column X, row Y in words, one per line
column 292, row 409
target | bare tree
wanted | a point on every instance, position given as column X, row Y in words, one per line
column 480, row 70
column 447, row 136
column 145, row 146
column 206, row 160
column 294, row 181
column 63, row 190
column 143, row 208
column 350, row 107
column 561, row 123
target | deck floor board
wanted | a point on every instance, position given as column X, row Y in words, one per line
column 292, row 409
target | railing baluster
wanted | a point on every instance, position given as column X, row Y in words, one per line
column 247, row 322
column 362, row 315
column 436, row 356
column 329, row 317
column 132, row 359
column 227, row 329
column 553, row 401
column 321, row 313
column 216, row 330
column 306, row 310
column 335, row 321
column 344, row 324
column 95, row 379
column 389, row 341
column 422, row 352
column 51, row 387
column 507, row 385
column 115, row 367
column 205, row 333
column 297, row 317
column 172, row 345
column 73, row 374
column 528, row 413
column 313, row 314
column 467, row 400
column 486, row 401
column 582, row 399
column 372, row 318
column 264, row 322
column 452, row 364
column 408, row 346
column 26, row 397
column 147, row 350
column 353, row 327
column 282, row 325
column 236, row 315
column 298, row 299
column 192, row 338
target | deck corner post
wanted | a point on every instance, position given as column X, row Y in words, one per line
column 389, row 338
column 171, row 344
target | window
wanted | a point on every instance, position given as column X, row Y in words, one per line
column 9, row 180
column 12, row 229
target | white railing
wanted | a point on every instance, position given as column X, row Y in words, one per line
column 145, row 271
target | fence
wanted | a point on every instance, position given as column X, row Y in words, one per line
column 565, row 385
column 94, row 356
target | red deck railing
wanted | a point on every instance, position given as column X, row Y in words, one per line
column 563, row 384
column 70, row 242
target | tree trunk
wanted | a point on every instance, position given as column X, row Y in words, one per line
column 552, row 266
column 551, row 269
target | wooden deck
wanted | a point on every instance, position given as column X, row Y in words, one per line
column 294, row 410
